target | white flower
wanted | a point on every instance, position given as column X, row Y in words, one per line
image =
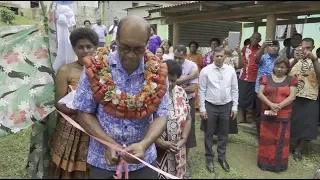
column 3, row 102
column 24, row 106
column 44, row 46
column 30, row 39
column 26, row 80
column 40, row 174
column 18, row 48
column 32, row 92
column 47, row 108
column 42, row 80
column 7, row 70
column 15, row 130
column 38, row 148
column 37, row 65
column 29, row 115
column 12, row 87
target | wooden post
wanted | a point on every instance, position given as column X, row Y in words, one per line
column 256, row 27
column 271, row 27
column 176, row 34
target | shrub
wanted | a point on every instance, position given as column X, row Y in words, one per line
column 6, row 15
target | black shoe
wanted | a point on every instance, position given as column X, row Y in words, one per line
column 210, row 166
column 297, row 156
column 224, row 165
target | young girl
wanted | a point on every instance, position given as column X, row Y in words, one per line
column 159, row 52
column 69, row 145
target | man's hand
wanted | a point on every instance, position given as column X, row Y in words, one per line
column 136, row 149
column 180, row 144
column 238, row 50
column 167, row 145
column 111, row 156
column 233, row 115
column 311, row 56
column 203, row 115
column 225, row 42
column 266, row 43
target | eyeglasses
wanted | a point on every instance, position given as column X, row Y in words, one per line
column 126, row 49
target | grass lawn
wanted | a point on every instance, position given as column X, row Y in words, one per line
column 19, row 20
column 241, row 155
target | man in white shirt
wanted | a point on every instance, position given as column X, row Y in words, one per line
column 188, row 81
column 113, row 29
column 101, row 30
column 218, row 91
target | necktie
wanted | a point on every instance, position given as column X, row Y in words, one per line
column 222, row 86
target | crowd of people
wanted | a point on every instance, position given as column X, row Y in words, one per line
column 143, row 98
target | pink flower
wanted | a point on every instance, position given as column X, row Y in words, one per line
column 41, row 53
column 20, row 118
column 42, row 112
column 12, row 58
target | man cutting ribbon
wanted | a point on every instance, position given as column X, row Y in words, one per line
column 123, row 100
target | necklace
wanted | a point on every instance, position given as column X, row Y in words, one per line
column 118, row 103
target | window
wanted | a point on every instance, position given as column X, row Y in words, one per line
column 286, row 31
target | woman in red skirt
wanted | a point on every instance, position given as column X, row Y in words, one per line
column 277, row 92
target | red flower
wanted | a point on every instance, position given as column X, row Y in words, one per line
column 179, row 101
column 41, row 53
column 12, row 58
column 20, row 118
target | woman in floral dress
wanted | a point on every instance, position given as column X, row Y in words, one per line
column 171, row 150
column 69, row 147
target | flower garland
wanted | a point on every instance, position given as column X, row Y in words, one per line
column 118, row 103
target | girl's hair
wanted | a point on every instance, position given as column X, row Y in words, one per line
column 195, row 43
column 282, row 60
column 174, row 68
column 84, row 33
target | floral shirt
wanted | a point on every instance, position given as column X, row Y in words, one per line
column 308, row 86
column 123, row 131
column 265, row 68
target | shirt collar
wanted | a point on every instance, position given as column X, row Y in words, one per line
column 114, row 59
column 216, row 67
column 269, row 57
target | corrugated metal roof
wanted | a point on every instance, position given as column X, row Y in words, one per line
column 175, row 5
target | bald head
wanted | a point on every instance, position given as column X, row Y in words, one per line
column 134, row 23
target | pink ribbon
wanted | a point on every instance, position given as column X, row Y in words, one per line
column 112, row 146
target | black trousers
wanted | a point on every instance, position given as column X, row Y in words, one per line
column 192, row 141
column 144, row 173
column 218, row 119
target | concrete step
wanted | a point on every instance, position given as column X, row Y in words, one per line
column 314, row 146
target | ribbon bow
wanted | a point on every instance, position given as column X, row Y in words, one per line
column 112, row 146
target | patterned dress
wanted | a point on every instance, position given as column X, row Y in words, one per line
column 69, row 150
column 174, row 164
column 273, row 150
